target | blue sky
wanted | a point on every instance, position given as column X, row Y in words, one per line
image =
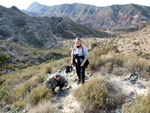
column 23, row 4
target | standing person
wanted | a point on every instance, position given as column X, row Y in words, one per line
column 56, row 80
column 79, row 56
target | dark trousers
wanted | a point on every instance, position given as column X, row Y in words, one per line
column 60, row 86
column 81, row 73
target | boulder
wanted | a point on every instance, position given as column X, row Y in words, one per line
column 131, row 74
column 7, row 108
column 131, row 94
column 144, row 79
column 137, row 73
column 133, row 82
column 141, row 86
column 132, row 79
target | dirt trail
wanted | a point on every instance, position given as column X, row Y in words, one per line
column 66, row 102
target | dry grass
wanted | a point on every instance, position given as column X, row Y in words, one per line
column 141, row 104
column 43, row 107
column 21, row 90
column 38, row 94
column 19, row 104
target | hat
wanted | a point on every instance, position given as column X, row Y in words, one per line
column 56, row 75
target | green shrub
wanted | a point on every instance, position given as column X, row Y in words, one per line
column 4, row 95
column 141, row 104
column 18, row 104
column 38, row 94
column 98, row 94
column 3, row 58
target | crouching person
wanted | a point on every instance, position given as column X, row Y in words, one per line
column 56, row 80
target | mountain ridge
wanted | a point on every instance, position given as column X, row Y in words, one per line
column 97, row 17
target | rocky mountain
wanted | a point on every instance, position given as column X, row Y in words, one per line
column 43, row 32
column 97, row 17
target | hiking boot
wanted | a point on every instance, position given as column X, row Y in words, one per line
column 78, row 82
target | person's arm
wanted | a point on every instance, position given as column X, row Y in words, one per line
column 65, row 83
column 86, row 55
column 47, row 83
column 71, row 60
column 72, row 57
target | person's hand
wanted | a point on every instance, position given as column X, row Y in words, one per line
column 71, row 63
column 82, row 64
column 64, row 88
column 52, row 92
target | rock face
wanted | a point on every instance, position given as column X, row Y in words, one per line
column 97, row 17
column 40, row 31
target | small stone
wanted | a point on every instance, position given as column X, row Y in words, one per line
column 124, row 79
column 132, row 79
column 60, row 106
column 117, row 111
column 18, row 109
column 131, row 74
column 139, row 76
column 135, row 77
column 144, row 79
column 25, row 111
column 75, row 79
column 7, row 108
column 128, row 99
column 133, row 82
column 90, row 74
column 136, row 73
column 131, row 93
column 128, row 77
column 139, row 83
column 20, row 99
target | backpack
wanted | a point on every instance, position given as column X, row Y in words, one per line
column 68, row 69
column 87, row 61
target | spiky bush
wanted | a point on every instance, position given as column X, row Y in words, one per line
column 38, row 94
column 99, row 94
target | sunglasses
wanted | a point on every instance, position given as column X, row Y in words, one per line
column 57, row 76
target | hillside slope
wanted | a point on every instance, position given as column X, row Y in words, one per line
column 40, row 31
column 138, row 41
column 19, row 56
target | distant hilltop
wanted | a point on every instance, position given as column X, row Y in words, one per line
column 96, row 17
